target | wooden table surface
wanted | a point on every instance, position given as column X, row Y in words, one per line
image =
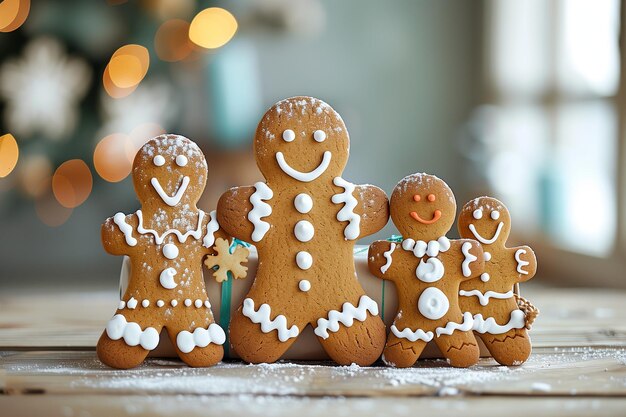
column 48, row 367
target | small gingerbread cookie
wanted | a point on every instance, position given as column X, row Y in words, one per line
column 427, row 269
column 166, row 241
column 304, row 221
column 497, row 319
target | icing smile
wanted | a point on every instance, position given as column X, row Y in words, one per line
column 484, row 240
column 436, row 216
column 303, row 176
column 175, row 199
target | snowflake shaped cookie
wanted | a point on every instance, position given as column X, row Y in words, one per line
column 226, row 261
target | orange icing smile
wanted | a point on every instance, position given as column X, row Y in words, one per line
column 436, row 216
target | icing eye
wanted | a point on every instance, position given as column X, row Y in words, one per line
column 289, row 135
column 159, row 160
column 431, row 197
column 417, row 197
column 181, row 160
column 319, row 136
column 478, row 214
column 495, row 214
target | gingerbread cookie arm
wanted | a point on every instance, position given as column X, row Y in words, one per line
column 468, row 254
column 233, row 209
column 118, row 235
column 380, row 259
column 525, row 262
column 374, row 206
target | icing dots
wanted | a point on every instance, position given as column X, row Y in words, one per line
column 259, row 210
column 187, row 302
column 145, row 303
column 170, row 251
column 289, row 135
column 304, row 231
column 181, row 160
column 484, row 277
column 346, row 316
column 174, row 303
column 187, row 341
column 433, row 303
column 304, row 176
column 132, row 303
column 304, row 285
column 118, row 328
column 495, row 214
column 487, row 256
column 262, row 317
column 431, row 270
column 197, row 303
column 319, row 136
column 304, row 260
column 303, row 203
column 160, row 303
column 159, row 160
column 478, row 214
column 166, row 278
column 352, row 230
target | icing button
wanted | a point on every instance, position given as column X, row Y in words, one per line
column 303, row 203
column 484, row 277
column 304, row 231
column 304, row 285
column 170, row 251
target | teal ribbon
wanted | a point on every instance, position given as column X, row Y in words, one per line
column 227, row 291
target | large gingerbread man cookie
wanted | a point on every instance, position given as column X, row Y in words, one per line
column 304, row 221
column 166, row 241
column 427, row 269
column 497, row 319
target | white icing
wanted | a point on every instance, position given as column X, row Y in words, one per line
column 118, row 328
column 260, row 209
column 175, row 199
column 187, row 341
column 487, row 256
column 451, row 327
column 432, row 249
column 304, row 260
column 211, row 227
column 160, row 303
column 159, row 160
column 387, row 256
column 132, row 303
column 478, row 214
column 495, row 215
column 408, row 244
column 304, row 176
column 444, row 244
column 469, row 258
column 346, row 316
column 121, row 305
column 483, row 298
column 482, row 239
column 120, row 221
column 145, row 303
column 484, row 277
column 166, row 279
column 197, row 303
column 182, row 237
column 431, row 270
column 170, row 251
column 207, row 303
column 262, row 317
column 411, row 335
column 520, row 262
column 433, row 303
column 303, row 203
column 187, row 302
column 174, row 303
column 421, row 248
column 319, row 136
column 181, row 160
column 289, row 135
column 517, row 320
column 304, row 285
column 352, row 230
column 304, row 231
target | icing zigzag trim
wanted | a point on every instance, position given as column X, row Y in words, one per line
column 262, row 316
column 346, row 316
column 412, row 336
column 352, row 230
column 211, row 227
column 260, row 209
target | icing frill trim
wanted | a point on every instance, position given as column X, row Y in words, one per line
column 422, row 248
column 388, row 257
column 451, row 326
column 187, row 341
column 118, row 328
column 412, row 336
column 468, row 259
column 346, row 316
column 211, row 227
column 489, row 325
column 260, row 209
column 262, row 317
column 352, row 230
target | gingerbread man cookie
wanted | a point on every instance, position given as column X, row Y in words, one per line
column 497, row 319
column 166, row 241
column 427, row 269
column 304, row 221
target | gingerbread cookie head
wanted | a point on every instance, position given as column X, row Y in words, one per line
column 486, row 220
column 422, row 206
column 170, row 171
column 301, row 139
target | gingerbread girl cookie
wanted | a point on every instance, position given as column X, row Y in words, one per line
column 166, row 241
column 497, row 319
column 304, row 221
column 427, row 269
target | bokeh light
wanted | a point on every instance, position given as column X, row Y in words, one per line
column 212, row 28
column 171, row 41
column 111, row 158
column 34, row 175
column 71, row 183
column 126, row 69
column 9, row 154
column 50, row 212
column 113, row 90
column 13, row 14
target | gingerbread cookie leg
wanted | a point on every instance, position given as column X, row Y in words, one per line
column 510, row 348
column 460, row 349
column 402, row 353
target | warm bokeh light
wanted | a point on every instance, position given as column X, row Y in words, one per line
column 110, row 157
column 113, row 90
column 71, row 183
column 34, row 175
column 50, row 212
column 9, row 153
column 212, row 28
column 127, row 67
column 13, row 14
column 171, row 41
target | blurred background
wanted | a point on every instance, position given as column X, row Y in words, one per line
column 520, row 100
